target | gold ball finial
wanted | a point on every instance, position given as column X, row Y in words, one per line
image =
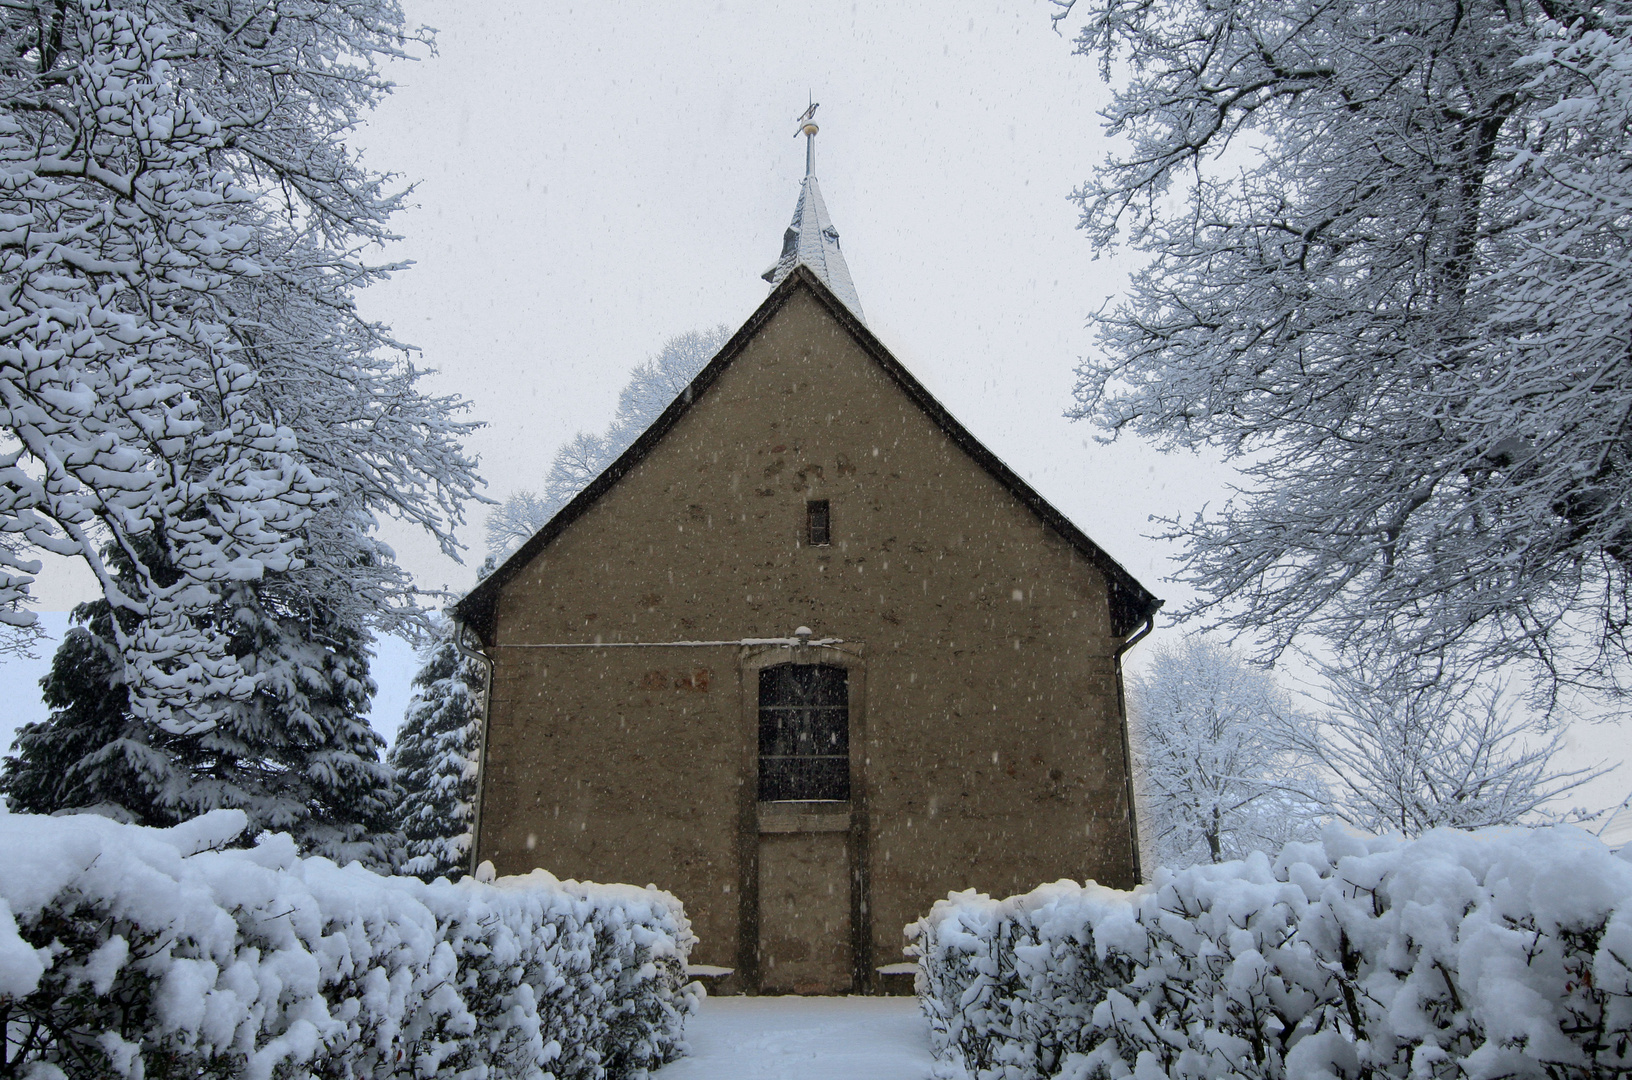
column 807, row 119
column 807, row 128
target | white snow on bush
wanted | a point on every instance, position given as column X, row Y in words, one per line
column 1499, row 952
column 134, row 952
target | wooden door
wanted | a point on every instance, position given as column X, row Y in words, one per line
column 804, row 913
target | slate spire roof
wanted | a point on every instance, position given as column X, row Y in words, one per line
column 812, row 240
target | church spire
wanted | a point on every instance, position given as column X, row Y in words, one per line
column 811, row 238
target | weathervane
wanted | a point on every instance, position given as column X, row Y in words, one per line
column 808, row 128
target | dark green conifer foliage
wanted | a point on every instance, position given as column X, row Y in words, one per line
column 297, row 755
column 91, row 753
column 435, row 760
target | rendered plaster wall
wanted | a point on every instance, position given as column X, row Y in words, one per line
column 620, row 765
column 993, row 748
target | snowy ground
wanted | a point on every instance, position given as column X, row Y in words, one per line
column 805, row 1038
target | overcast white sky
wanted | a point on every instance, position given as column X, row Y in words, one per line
column 595, row 178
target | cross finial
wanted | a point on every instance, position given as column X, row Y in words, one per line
column 808, row 128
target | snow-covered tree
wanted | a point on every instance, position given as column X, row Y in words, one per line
column 90, row 754
column 1217, row 779
column 297, row 754
column 368, row 430
column 1390, row 275
column 435, row 758
column 652, row 387
column 511, row 523
column 661, row 378
column 1404, row 750
column 184, row 379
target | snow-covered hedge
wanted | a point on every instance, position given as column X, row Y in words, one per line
column 135, row 952
column 1501, row 952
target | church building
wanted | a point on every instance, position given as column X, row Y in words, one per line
column 808, row 656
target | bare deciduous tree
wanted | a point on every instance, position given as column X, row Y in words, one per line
column 1217, row 777
column 1409, row 751
column 1390, row 275
column 652, row 387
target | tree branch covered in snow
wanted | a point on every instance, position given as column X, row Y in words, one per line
column 652, row 387
column 1390, row 275
column 1409, row 754
column 1217, row 779
column 182, row 368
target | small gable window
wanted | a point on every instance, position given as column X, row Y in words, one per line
column 818, row 523
column 804, row 733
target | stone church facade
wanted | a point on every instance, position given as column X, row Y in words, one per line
column 809, row 657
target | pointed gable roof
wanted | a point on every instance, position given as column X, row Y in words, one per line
column 1131, row 603
column 811, row 240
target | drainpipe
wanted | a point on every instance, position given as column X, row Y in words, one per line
column 1127, row 751
column 474, row 653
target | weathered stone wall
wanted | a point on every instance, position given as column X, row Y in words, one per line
column 992, row 745
column 619, row 765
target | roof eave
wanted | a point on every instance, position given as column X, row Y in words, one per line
column 477, row 607
column 1129, row 610
column 1142, row 605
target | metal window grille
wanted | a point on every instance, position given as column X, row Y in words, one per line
column 804, row 733
column 818, row 522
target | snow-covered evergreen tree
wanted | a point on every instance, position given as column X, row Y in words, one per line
column 435, row 761
column 1217, row 779
column 297, row 755
column 91, row 753
column 652, row 387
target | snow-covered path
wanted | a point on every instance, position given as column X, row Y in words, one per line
column 805, row 1038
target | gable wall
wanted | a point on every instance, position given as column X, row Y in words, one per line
column 993, row 748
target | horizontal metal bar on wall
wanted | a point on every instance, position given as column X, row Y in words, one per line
column 669, row 644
